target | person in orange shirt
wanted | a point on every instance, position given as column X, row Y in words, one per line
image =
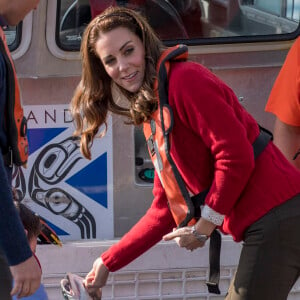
column 284, row 102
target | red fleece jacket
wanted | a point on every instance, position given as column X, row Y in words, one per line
column 212, row 145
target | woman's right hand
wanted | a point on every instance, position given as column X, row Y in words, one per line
column 96, row 279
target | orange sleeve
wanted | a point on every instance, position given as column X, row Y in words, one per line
column 284, row 99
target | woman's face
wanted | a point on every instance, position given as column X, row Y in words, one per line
column 123, row 56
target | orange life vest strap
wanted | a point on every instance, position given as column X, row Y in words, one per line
column 158, row 136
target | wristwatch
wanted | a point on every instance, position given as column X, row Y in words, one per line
column 200, row 237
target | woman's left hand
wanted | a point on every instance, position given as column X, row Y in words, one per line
column 96, row 279
column 184, row 238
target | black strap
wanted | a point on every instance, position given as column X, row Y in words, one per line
column 198, row 200
column 214, row 262
column 215, row 239
column 261, row 141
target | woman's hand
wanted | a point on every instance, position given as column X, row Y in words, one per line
column 184, row 238
column 96, row 279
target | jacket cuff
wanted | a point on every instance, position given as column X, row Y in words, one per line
column 212, row 216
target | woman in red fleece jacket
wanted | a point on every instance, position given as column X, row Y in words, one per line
column 254, row 200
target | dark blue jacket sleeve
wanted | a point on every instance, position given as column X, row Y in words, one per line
column 13, row 240
column 12, row 235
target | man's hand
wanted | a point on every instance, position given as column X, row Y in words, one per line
column 27, row 277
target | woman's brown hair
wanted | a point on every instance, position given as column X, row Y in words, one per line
column 93, row 96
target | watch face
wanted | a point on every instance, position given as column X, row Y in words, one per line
column 198, row 236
